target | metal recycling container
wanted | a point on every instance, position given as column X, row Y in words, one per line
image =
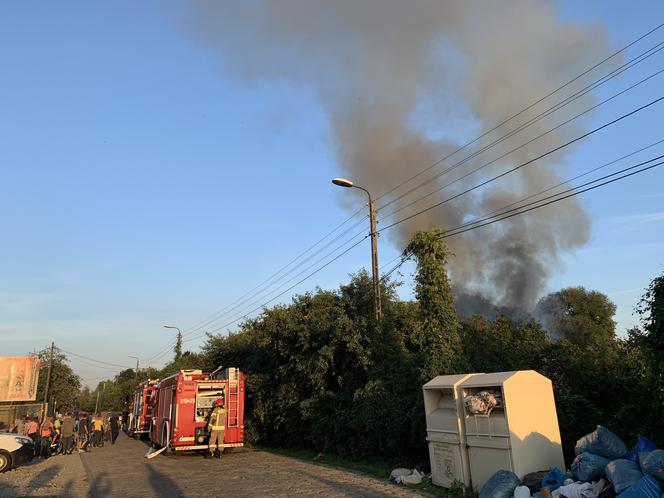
column 443, row 405
column 521, row 434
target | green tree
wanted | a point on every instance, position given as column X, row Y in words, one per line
column 503, row 344
column 439, row 327
column 65, row 385
column 583, row 317
column 651, row 310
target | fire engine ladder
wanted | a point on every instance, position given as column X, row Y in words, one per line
column 233, row 403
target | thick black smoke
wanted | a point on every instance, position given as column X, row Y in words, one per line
column 406, row 82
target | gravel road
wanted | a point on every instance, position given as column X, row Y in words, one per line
column 62, row 476
column 121, row 470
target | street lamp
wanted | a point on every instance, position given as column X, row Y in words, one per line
column 342, row 182
column 136, row 358
column 178, row 343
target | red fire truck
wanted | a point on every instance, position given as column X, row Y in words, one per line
column 140, row 415
column 184, row 402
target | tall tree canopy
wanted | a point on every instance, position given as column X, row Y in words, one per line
column 439, row 327
column 583, row 317
column 65, row 384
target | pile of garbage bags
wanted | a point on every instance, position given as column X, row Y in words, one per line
column 407, row 476
column 603, row 468
column 482, row 402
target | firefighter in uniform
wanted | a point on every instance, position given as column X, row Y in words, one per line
column 217, row 426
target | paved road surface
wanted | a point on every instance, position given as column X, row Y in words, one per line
column 121, row 470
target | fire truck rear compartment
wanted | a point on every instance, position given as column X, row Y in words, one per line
column 206, row 396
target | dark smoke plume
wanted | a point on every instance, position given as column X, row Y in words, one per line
column 406, row 82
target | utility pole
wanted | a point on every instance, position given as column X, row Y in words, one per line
column 48, row 382
column 374, row 258
column 136, row 358
column 97, row 403
column 342, row 182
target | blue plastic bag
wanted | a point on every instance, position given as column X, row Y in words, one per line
column 642, row 459
column 588, row 467
column 646, row 487
column 643, row 444
column 653, row 464
column 601, row 442
column 623, row 474
column 554, row 479
column 501, row 485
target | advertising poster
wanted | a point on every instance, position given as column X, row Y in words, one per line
column 18, row 378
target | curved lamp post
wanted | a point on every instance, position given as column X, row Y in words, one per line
column 342, row 182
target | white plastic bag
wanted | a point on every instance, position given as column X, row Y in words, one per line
column 522, row 492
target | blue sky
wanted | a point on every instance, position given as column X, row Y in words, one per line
column 142, row 186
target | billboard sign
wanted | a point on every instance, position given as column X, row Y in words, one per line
column 18, row 378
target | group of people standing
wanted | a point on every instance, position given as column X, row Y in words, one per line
column 68, row 431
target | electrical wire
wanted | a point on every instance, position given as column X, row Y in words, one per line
column 206, row 321
column 217, row 315
column 612, row 97
column 274, row 282
column 242, row 299
column 81, row 357
column 534, row 205
column 580, row 93
column 468, row 144
column 244, row 314
column 305, row 270
column 551, row 151
column 569, row 180
column 482, row 222
column 290, row 288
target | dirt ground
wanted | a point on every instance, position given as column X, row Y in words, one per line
column 122, row 470
column 62, row 476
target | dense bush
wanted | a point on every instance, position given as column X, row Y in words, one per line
column 323, row 374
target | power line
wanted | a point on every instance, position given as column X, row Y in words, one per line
column 580, row 93
column 534, row 205
column 467, row 144
column 92, row 359
column 241, row 300
column 574, row 140
column 482, row 222
column 304, row 271
column 245, row 314
column 217, row 315
column 457, row 230
column 274, row 282
column 608, row 99
column 214, row 316
column 290, row 288
column 564, row 182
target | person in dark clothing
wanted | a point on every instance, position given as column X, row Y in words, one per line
column 67, row 431
column 115, row 427
column 83, row 433
column 125, row 419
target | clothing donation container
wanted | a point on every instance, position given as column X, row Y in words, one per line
column 443, row 405
column 516, row 430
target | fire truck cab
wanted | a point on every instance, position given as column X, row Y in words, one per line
column 184, row 402
column 140, row 415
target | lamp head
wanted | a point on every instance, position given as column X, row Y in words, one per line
column 342, row 182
